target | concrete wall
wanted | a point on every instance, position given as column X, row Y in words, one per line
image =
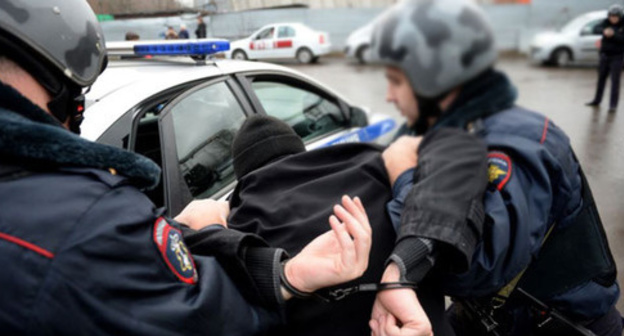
column 514, row 25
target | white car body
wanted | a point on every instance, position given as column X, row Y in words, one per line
column 577, row 42
column 358, row 43
column 282, row 41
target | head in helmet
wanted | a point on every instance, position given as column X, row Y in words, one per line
column 431, row 48
column 59, row 45
column 615, row 13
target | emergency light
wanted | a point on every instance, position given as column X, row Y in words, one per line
column 168, row 48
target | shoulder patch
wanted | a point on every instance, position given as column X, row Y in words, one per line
column 499, row 169
column 174, row 251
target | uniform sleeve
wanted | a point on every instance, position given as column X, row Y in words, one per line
column 618, row 35
column 528, row 188
column 126, row 271
column 446, row 202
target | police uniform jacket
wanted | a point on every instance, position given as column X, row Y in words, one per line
column 84, row 252
column 536, row 185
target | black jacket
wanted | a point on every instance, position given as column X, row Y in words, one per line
column 200, row 32
column 614, row 45
column 288, row 203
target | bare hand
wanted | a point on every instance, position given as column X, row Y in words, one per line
column 334, row 257
column 201, row 213
column 398, row 312
column 609, row 32
column 401, row 156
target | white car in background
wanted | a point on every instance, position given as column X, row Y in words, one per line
column 358, row 43
column 282, row 41
column 577, row 42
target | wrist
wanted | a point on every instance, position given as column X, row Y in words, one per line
column 285, row 294
column 291, row 276
column 392, row 273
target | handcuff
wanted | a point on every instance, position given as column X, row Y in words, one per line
column 341, row 293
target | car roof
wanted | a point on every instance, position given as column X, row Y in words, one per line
column 126, row 83
column 597, row 14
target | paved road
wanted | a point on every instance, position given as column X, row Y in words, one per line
column 596, row 135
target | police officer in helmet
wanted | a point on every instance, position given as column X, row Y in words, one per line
column 611, row 56
column 84, row 252
column 531, row 257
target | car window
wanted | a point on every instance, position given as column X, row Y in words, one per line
column 205, row 123
column 592, row 28
column 308, row 113
column 266, row 34
column 285, row 32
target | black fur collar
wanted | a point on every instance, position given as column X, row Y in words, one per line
column 32, row 137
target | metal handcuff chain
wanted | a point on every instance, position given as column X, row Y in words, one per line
column 341, row 293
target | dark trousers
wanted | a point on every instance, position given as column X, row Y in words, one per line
column 609, row 65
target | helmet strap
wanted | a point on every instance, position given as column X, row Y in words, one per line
column 68, row 105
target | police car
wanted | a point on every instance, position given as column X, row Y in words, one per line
column 183, row 114
column 284, row 40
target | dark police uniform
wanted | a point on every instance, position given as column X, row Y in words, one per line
column 84, row 252
column 535, row 185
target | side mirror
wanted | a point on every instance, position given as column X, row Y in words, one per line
column 359, row 118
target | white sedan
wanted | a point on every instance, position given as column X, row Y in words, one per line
column 577, row 42
column 282, row 41
column 358, row 43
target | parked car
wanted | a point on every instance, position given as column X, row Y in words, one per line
column 282, row 41
column 577, row 42
column 358, row 43
column 184, row 116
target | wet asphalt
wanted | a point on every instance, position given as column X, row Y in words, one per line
column 597, row 136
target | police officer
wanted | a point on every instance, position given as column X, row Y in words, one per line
column 532, row 258
column 611, row 56
column 83, row 251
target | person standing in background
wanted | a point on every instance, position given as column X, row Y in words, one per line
column 200, row 32
column 171, row 34
column 611, row 57
column 183, row 34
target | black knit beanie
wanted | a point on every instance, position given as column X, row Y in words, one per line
column 260, row 140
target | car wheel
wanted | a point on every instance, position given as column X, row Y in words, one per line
column 561, row 57
column 305, row 56
column 239, row 55
column 363, row 54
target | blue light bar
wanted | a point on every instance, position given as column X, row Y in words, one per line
column 182, row 48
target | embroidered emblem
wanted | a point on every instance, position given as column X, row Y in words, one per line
column 499, row 169
column 173, row 250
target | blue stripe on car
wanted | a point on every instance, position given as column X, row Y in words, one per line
column 366, row 134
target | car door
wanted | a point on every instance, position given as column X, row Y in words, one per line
column 262, row 44
column 285, row 44
column 588, row 41
column 197, row 130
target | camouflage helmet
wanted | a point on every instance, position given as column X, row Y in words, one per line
column 439, row 44
column 616, row 10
